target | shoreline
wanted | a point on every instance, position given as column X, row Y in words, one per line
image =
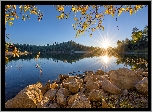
column 61, row 92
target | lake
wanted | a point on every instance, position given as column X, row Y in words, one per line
column 25, row 70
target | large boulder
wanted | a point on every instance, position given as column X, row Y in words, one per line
column 142, row 86
column 29, row 97
column 124, row 78
column 78, row 100
column 110, row 87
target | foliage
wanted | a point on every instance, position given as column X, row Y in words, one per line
column 90, row 20
column 138, row 43
column 11, row 14
column 91, row 16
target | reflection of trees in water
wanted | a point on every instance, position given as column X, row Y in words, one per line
column 68, row 58
column 134, row 61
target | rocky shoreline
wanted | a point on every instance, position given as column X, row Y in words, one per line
column 122, row 88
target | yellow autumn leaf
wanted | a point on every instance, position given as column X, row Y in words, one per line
column 61, row 8
column 90, row 35
column 62, row 15
column 85, row 25
column 8, row 6
column 58, row 17
column 10, row 23
column 123, row 9
column 131, row 11
column 102, row 28
column 73, row 9
column 97, row 15
column 76, row 19
column 14, row 6
column 6, row 15
column 12, row 19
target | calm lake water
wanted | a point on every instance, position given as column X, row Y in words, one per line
column 21, row 72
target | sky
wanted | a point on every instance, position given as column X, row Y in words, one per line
column 50, row 29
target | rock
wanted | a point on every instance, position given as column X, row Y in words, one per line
column 65, row 85
column 142, row 86
column 139, row 71
column 88, row 77
column 70, row 78
column 54, row 105
column 86, row 72
column 105, row 76
column 90, row 85
column 61, row 96
column 50, row 94
column 145, row 74
column 26, row 98
column 146, row 70
column 100, row 72
column 57, row 81
column 46, row 87
column 109, row 87
column 104, row 104
column 74, row 86
column 82, row 89
column 124, row 78
column 97, row 77
column 111, row 71
column 62, row 77
column 44, row 103
column 79, row 100
column 92, row 72
column 95, row 95
column 54, row 86
column 61, row 100
column 125, row 92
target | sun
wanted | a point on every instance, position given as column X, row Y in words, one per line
column 105, row 44
column 105, row 59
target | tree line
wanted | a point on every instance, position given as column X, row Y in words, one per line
column 138, row 43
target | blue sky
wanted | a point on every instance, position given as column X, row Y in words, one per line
column 50, row 29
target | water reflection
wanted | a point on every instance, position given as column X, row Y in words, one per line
column 134, row 61
column 105, row 59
